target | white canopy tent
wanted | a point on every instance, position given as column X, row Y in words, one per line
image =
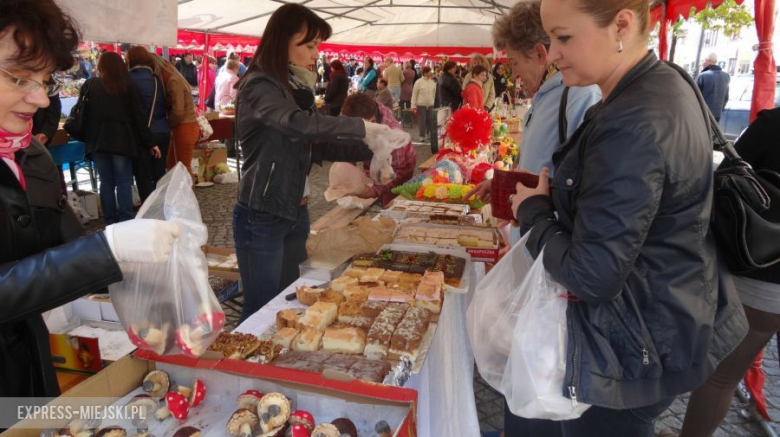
column 447, row 23
column 137, row 22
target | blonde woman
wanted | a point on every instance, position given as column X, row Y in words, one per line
column 488, row 87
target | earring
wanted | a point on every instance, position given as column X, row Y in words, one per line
column 620, row 46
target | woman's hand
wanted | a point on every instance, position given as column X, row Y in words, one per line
column 524, row 192
column 156, row 152
column 482, row 191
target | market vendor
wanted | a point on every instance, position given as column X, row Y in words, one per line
column 45, row 259
column 282, row 134
column 404, row 159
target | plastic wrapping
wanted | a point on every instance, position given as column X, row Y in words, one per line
column 381, row 169
column 517, row 327
column 169, row 307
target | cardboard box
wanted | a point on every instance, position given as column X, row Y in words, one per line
column 232, row 290
column 91, row 202
column 478, row 254
column 221, row 255
column 208, row 157
column 325, row 399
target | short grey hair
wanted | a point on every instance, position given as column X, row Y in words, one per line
column 521, row 27
column 712, row 57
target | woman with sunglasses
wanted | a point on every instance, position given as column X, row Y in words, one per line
column 45, row 259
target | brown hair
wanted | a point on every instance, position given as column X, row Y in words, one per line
column 369, row 63
column 337, row 65
column 477, row 70
column 448, row 66
column 113, row 73
column 138, row 55
column 360, row 105
column 273, row 55
column 521, row 28
column 232, row 65
column 383, row 81
column 44, row 35
column 426, row 70
column 604, row 11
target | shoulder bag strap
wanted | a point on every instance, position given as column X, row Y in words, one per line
column 563, row 124
column 154, row 101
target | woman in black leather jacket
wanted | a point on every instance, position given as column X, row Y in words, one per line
column 45, row 261
column 626, row 228
column 282, row 135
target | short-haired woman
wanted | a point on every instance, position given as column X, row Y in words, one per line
column 45, row 258
column 449, row 86
column 626, row 229
column 282, row 135
column 338, row 87
column 368, row 84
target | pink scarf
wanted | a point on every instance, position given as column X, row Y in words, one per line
column 9, row 144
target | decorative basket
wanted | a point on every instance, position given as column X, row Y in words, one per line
column 513, row 125
column 503, row 186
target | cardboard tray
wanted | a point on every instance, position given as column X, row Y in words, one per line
column 325, row 399
column 219, row 253
column 478, row 254
column 400, row 215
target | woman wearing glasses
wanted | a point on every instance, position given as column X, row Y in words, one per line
column 45, row 259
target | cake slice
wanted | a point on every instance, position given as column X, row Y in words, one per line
column 284, row 337
column 347, row 340
column 332, row 297
column 381, row 332
column 308, row 295
column 287, row 319
column 350, row 310
column 390, row 277
column 386, row 295
column 320, row 315
column 372, row 309
column 309, row 340
column 341, row 283
column 409, row 334
column 372, row 275
column 356, row 293
column 354, row 272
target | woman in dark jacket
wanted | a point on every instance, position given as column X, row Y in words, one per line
column 149, row 168
column 45, row 259
column 115, row 135
column 338, row 87
column 626, row 229
column 282, row 135
column 449, row 86
column 499, row 80
column 759, row 292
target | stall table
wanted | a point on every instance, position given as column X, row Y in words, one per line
column 446, row 404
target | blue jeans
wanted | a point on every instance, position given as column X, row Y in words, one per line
column 116, row 186
column 269, row 250
column 595, row 422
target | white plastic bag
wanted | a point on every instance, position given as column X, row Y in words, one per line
column 381, row 168
column 517, row 327
column 169, row 307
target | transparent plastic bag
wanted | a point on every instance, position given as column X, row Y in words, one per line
column 169, row 307
column 517, row 327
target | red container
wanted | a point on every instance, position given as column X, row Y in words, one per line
column 503, row 186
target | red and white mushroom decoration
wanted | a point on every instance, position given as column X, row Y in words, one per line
column 178, row 405
column 298, row 430
column 301, row 417
column 249, row 399
column 198, row 393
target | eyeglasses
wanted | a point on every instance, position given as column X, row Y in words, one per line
column 30, row 86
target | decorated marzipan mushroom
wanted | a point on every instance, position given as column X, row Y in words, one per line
column 143, row 407
column 249, row 399
column 148, row 336
column 178, row 406
column 346, row 427
column 198, row 393
column 273, row 411
column 325, row 430
column 243, row 423
column 298, row 430
column 112, row 431
column 304, row 418
column 187, row 431
column 383, row 429
column 156, row 383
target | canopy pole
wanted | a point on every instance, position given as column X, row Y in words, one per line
column 764, row 67
column 663, row 34
column 204, row 65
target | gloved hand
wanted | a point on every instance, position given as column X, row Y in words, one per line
column 374, row 131
column 382, row 142
column 142, row 240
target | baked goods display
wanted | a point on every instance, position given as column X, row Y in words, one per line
column 447, row 236
column 235, row 346
column 412, row 265
column 353, row 365
column 406, row 209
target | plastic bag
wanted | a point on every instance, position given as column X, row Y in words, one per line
column 517, row 327
column 381, row 168
column 169, row 307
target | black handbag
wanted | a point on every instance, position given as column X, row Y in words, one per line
column 746, row 204
column 74, row 124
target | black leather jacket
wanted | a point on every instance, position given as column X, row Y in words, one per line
column 44, row 263
column 633, row 194
column 281, row 141
column 450, row 91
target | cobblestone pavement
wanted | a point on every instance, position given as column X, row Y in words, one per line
column 217, row 205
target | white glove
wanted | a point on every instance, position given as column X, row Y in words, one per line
column 142, row 240
column 374, row 131
column 382, row 142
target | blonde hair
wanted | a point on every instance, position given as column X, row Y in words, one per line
column 604, row 11
column 521, row 28
column 232, row 65
column 481, row 60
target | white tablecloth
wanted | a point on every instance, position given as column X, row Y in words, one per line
column 446, row 405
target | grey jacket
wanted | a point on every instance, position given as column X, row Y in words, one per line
column 281, row 141
column 655, row 313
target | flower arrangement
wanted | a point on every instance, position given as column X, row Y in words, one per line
column 469, row 128
column 437, row 192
